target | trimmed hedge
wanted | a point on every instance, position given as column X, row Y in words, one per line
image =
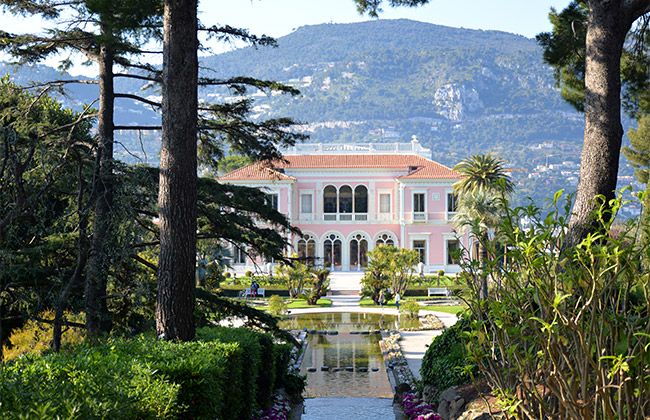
column 225, row 374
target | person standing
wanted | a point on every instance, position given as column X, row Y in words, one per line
column 397, row 299
column 254, row 287
column 381, row 298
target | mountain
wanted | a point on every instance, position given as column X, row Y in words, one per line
column 460, row 91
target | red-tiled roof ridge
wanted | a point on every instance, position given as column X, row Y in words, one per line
column 256, row 171
column 427, row 169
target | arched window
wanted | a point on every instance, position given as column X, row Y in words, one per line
column 307, row 249
column 384, row 239
column 358, row 252
column 345, row 199
column 330, row 202
column 361, row 202
column 332, row 251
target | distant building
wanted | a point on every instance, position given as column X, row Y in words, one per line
column 348, row 199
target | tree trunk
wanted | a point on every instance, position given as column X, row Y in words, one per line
column 609, row 21
column 82, row 246
column 178, row 165
column 97, row 315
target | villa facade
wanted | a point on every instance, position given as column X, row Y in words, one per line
column 348, row 199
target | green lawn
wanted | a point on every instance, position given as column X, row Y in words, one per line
column 452, row 309
column 302, row 303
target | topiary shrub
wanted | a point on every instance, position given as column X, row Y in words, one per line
column 277, row 305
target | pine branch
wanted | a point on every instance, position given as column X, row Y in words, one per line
column 139, row 77
column 138, row 98
column 137, row 127
column 227, row 33
column 240, row 83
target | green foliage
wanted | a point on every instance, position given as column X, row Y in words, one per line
column 294, row 276
column 256, row 380
column 277, row 305
column 445, row 362
column 376, row 276
column 564, row 320
column 228, row 374
column 565, row 50
column 211, row 308
column 482, row 173
column 319, row 284
column 36, row 336
column 409, row 309
column 295, row 385
column 230, row 163
column 389, row 266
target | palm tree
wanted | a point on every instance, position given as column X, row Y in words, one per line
column 484, row 183
column 483, row 172
column 481, row 210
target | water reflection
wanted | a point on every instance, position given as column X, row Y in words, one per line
column 354, row 363
column 346, row 322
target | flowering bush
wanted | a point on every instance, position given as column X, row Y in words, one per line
column 416, row 409
column 397, row 359
column 278, row 411
column 432, row 322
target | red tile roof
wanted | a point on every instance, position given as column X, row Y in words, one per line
column 256, row 172
column 426, row 169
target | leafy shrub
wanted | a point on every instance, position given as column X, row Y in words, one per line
column 294, row 385
column 282, row 354
column 409, row 308
column 89, row 382
column 561, row 318
column 148, row 379
column 214, row 276
column 36, row 337
column 277, row 305
column 243, row 386
column 444, row 363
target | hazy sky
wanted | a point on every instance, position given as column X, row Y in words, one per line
column 280, row 17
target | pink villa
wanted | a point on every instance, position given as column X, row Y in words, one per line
column 348, row 199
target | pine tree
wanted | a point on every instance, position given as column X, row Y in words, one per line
column 105, row 32
column 587, row 49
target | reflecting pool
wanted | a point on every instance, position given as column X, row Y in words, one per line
column 343, row 358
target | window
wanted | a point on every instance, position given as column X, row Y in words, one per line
column 345, row 199
column 421, row 247
column 330, row 202
column 360, row 199
column 307, row 249
column 419, row 207
column 239, row 253
column 385, row 239
column 345, row 203
column 305, row 204
column 332, row 252
column 358, row 252
column 418, row 202
column 384, row 203
column 272, row 200
column 453, row 247
column 452, row 203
